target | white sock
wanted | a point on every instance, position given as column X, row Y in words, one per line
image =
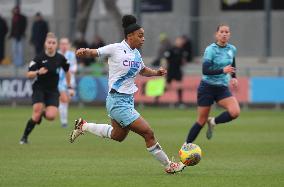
column 101, row 130
column 63, row 112
column 159, row 154
column 213, row 121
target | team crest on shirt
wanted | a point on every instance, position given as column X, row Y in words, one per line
column 230, row 53
column 32, row 63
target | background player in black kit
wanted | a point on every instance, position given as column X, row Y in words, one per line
column 176, row 57
column 44, row 69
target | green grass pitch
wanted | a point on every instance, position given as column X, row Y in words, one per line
column 247, row 152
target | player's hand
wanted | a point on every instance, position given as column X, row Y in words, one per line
column 161, row 71
column 42, row 71
column 83, row 52
column 234, row 82
column 71, row 92
column 229, row 69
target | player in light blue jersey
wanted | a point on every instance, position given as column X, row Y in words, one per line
column 125, row 62
column 218, row 70
column 64, row 49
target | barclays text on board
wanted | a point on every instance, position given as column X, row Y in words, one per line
column 11, row 88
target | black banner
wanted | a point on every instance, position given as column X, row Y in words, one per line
column 156, row 5
column 250, row 4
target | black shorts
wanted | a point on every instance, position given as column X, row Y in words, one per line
column 208, row 93
column 48, row 97
column 176, row 75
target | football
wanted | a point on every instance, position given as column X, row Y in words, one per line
column 190, row 154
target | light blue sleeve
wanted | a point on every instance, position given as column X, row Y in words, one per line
column 208, row 54
column 73, row 62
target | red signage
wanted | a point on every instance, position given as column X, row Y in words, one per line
column 189, row 86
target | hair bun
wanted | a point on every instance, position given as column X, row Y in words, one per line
column 128, row 20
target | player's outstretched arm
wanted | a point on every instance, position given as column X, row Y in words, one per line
column 86, row 52
column 148, row 72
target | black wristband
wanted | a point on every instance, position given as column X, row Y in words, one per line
column 37, row 73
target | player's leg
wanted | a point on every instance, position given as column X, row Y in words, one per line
column 203, row 113
column 179, row 92
column 118, row 133
column 204, row 101
column 114, row 131
column 179, row 87
column 36, row 115
column 63, row 108
column 232, row 110
column 232, row 107
column 38, row 106
column 117, row 111
column 141, row 127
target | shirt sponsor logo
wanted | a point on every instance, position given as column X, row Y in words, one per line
column 132, row 64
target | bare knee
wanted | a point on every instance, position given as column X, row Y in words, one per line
column 118, row 135
column 50, row 116
column 234, row 113
column 36, row 114
column 118, row 138
column 64, row 98
column 202, row 120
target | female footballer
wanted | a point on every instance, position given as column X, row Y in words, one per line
column 64, row 49
column 218, row 71
column 125, row 63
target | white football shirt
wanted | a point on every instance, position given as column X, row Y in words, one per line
column 124, row 64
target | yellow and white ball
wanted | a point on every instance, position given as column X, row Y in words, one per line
column 190, row 154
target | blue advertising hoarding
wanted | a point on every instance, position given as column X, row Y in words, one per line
column 89, row 89
column 267, row 90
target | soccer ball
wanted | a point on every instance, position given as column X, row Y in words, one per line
column 190, row 154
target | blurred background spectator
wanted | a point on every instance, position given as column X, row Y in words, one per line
column 176, row 56
column 3, row 32
column 38, row 32
column 97, row 42
column 17, row 34
column 164, row 45
column 187, row 47
column 78, row 43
